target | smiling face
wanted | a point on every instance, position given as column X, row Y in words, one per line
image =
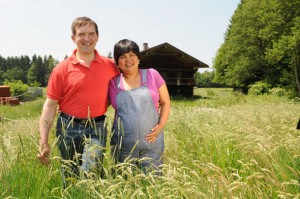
column 129, row 63
column 85, row 38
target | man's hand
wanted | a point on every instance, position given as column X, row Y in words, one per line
column 44, row 152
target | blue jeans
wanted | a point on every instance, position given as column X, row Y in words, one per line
column 81, row 146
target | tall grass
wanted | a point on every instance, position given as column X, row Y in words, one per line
column 218, row 145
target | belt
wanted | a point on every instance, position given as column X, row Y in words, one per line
column 82, row 120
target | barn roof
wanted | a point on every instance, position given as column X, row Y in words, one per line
column 167, row 55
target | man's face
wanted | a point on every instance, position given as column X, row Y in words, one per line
column 85, row 38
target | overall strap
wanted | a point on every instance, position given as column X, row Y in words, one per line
column 118, row 82
column 144, row 77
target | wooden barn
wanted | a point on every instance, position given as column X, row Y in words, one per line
column 175, row 66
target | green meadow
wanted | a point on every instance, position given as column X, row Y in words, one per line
column 220, row 144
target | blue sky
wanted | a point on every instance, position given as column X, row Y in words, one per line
column 42, row 27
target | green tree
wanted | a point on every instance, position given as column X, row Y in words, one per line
column 24, row 63
column 32, row 73
column 49, row 63
column 109, row 55
column 286, row 52
column 37, row 71
column 16, row 73
column 3, row 64
column 204, row 79
column 247, row 55
column 2, row 77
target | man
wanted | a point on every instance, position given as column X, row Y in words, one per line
column 78, row 86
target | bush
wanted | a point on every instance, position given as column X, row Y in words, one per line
column 259, row 88
column 35, row 84
column 277, row 91
column 291, row 93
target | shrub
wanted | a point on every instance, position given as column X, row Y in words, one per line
column 291, row 93
column 259, row 88
column 277, row 91
column 35, row 84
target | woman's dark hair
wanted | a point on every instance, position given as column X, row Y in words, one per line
column 125, row 46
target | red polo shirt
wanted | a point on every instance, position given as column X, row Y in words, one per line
column 81, row 91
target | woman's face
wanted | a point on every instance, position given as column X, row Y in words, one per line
column 129, row 62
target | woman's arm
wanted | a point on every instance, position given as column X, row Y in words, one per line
column 165, row 104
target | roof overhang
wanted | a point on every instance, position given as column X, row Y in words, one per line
column 167, row 55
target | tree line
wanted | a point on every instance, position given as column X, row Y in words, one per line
column 261, row 44
column 35, row 70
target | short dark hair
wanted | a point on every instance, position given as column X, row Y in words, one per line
column 82, row 21
column 125, row 46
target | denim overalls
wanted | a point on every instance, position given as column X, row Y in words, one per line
column 135, row 116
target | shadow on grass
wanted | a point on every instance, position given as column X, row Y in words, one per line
column 182, row 98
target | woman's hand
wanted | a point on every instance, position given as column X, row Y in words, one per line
column 154, row 132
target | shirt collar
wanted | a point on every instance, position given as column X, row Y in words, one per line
column 74, row 59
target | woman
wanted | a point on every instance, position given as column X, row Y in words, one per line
column 142, row 106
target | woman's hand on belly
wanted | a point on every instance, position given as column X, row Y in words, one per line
column 154, row 132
